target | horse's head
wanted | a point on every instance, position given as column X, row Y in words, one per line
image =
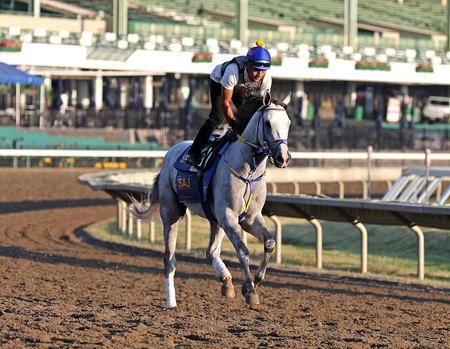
column 273, row 128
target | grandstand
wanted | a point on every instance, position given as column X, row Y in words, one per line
column 293, row 21
column 407, row 16
column 141, row 79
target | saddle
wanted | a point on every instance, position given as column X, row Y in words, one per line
column 213, row 147
column 193, row 183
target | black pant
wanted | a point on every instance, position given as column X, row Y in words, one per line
column 213, row 122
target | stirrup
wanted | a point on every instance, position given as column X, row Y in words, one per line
column 191, row 160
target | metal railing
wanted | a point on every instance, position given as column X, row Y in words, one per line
column 367, row 156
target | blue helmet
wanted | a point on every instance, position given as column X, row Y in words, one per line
column 259, row 57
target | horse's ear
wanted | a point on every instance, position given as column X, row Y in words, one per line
column 267, row 98
column 286, row 101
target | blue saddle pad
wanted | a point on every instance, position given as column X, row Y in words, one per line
column 193, row 186
column 187, row 181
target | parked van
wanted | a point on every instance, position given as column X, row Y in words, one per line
column 437, row 109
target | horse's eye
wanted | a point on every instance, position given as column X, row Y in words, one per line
column 267, row 123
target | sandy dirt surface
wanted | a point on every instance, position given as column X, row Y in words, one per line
column 60, row 289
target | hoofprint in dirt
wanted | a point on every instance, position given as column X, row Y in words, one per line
column 59, row 291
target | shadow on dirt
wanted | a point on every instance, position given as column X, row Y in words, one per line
column 296, row 276
column 23, row 206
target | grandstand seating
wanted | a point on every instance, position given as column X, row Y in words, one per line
column 181, row 18
column 172, row 25
column 12, row 137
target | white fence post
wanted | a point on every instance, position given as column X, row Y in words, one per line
column 130, row 225
column 139, row 229
column 151, row 232
column 318, row 228
column 278, row 238
column 362, row 229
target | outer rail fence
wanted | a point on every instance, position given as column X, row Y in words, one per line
column 356, row 212
column 311, row 208
column 374, row 162
column 369, row 156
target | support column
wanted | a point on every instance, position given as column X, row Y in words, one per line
column 41, row 105
column 98, row 92
column 447, row 31
column 120, row 17
column 351, row 94
column 301, row 103
column 184, row 89
column 350, row 23
column 242, row 20
column 37, row 8
column 148, row 92
column 17, row 104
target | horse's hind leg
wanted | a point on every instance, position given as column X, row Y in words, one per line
column 213, row 253
column 170, row 240
column 259, row 229
column 171, row 216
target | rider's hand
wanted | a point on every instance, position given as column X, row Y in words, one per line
column 231, row 118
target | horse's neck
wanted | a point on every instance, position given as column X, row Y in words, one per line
column 251, row 130
column 240, row 155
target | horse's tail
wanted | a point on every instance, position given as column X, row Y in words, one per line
column 148, row 207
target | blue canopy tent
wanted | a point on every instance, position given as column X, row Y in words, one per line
column 12, row 75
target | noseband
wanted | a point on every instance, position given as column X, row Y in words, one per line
column 267, row 145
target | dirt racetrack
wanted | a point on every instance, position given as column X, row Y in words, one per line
column 62, row 290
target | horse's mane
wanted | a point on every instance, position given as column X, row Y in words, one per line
column 245, row 112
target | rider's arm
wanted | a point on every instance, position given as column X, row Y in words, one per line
column 229, row 81
column 226, row 105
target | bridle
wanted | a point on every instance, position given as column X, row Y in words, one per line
column 262, row 151
column 259, row 153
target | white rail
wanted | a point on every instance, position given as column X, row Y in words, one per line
column 320, row 155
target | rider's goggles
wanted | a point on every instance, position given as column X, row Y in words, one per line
column 260, row 64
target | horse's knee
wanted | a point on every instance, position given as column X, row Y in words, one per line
column 243, row 252
column 269, row 246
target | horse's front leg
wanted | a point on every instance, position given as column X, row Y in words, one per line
column 259, row 229
column 213, row 254
column 231, row 228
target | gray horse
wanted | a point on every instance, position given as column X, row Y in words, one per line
column 238, row 194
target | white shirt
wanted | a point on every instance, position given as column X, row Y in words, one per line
column 230, row 79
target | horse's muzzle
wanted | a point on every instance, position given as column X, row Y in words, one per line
column 282, row 157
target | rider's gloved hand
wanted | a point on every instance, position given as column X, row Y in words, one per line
column 237, row 126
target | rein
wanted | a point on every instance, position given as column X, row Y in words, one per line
column 260, row 152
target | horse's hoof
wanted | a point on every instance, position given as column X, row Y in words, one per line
column 252, row 298
column 227, row 289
